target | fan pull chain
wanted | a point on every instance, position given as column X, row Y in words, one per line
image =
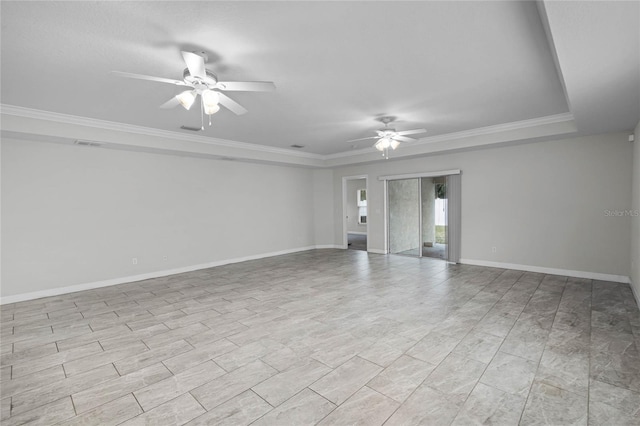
column 201, row 116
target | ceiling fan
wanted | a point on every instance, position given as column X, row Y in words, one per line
column 201, row 81
column 390, row 138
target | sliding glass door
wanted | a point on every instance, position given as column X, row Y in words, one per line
column 424, row 216
column 404, row 216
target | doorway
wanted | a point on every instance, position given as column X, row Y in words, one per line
column 355, row 213
column 420, row 214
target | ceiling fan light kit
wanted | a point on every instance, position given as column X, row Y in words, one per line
column 204, row 83
column 211, row 109
column 210, row 99
column 384, row 144
column 187, row 98
column 390, row 138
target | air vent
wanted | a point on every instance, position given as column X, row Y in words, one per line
column 86, row 143
column 297, row 146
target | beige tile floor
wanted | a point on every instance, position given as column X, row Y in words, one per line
column 327, row 337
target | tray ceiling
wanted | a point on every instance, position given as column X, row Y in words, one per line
column 446, row 66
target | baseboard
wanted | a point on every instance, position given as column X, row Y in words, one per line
column 329, row 246
column 356, row 233
column 157, row 274
column 635, row 293
column 552, row 271
column 376, row 251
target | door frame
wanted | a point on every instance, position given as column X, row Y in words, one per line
column 345, row 179
column 386, row 179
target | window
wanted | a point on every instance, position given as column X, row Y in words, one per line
column 362, row 206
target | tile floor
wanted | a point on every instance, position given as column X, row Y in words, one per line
column 327, row 337
column 357, row 242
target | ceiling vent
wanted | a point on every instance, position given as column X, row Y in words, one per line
column 86, row 143
column 297, row 146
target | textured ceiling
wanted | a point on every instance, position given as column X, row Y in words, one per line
column 444, row 66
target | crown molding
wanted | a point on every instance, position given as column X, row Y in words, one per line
column 480, row 131
column 18, row 111
column 148, row 131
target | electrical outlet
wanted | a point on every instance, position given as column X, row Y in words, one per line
column 493, row 249
column 165, row 258
column 134, row 260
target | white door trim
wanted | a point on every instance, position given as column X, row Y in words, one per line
column 420, row 175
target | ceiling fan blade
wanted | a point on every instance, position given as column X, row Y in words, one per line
column 403, row 139
column 171, row 103
column 195, row 63
column 363, row 139
column 411, row 132
column 232, row 105
column 148, row 77
column 247, row 86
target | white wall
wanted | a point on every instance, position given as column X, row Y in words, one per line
column 352, row 205
column 323, row 207
column 540, row 204
column 635, row 220
column 73, row 215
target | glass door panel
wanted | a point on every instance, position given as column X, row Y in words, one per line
column 434, row 217
column 404, row 216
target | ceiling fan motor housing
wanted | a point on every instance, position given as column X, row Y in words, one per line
column 388, row 133
column 210, row 80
